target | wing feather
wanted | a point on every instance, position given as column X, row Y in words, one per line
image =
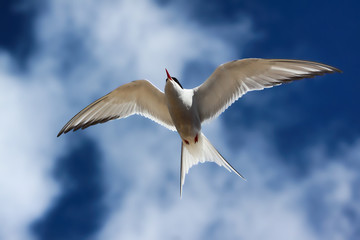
column 137, row 97
column 233, row 79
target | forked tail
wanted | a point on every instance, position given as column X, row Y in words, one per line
column 202, row 151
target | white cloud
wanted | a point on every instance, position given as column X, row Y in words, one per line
column 111, row 40
column 27, row 146
column 87, row 48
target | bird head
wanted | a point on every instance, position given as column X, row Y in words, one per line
column 169, row 78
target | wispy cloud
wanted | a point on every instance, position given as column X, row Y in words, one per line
column 78, row 44
column 27, row 149
column 87, row 48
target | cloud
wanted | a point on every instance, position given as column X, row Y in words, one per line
column 216, row 204
column 77, row 44
column 87, row 48
column 27, row 149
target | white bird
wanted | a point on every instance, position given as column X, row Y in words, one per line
column 184, row 110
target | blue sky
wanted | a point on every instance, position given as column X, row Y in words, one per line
column 298, row 144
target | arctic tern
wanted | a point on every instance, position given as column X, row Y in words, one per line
column 184, row 110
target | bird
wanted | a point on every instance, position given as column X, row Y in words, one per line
column 185, row 110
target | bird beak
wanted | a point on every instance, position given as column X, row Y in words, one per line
column 168, row 75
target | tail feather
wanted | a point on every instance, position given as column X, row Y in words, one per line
column 201, row 151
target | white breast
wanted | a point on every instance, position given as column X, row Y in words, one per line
column 182, row 110
column 186, row 97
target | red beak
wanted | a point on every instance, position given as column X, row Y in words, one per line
column 168, row 75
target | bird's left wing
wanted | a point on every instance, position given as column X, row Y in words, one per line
column 233, row 79
column 137, row 97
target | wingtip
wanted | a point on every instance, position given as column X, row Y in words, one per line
column 338, row 70
column 239, row 174
column 334, row 69
column 62, row 131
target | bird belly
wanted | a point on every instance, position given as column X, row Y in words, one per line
column 185, row 122
column 183, row 111
column 185, row 119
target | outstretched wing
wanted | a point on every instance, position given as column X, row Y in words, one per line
column 233, row 79
column 137, row 97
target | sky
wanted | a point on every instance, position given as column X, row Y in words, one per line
column 298, row 145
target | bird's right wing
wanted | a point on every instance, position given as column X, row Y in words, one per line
column 137, row 97
column 233, row 79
